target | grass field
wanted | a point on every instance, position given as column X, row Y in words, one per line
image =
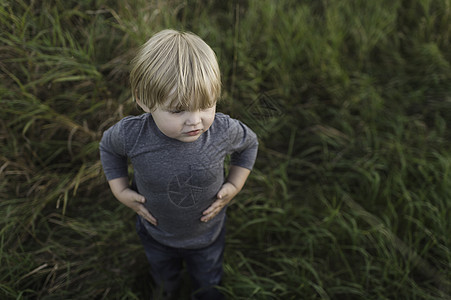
column 350, row 196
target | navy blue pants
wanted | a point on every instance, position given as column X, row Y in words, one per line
column 204, row 265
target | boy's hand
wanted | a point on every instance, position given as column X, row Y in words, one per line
column 130, row 198
column 235, row 182
column 227, row 192
column 136, row 202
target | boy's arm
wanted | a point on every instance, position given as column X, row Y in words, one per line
column 130, row 198
column 233, row 185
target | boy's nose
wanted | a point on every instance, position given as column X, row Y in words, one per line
column 193, row 118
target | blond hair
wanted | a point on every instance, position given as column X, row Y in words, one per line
column 176, row 66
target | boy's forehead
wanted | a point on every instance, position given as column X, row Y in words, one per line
column 191, row 105
column 173, row 102
column 187, row 102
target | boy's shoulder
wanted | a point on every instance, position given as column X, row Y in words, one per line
column 130, row 122
column 135, row 119
column 130, row 127
column 224, row 119
column 221, row 122
column 221, row 117
column 224, row 122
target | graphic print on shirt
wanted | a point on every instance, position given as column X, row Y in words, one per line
column 187, row 189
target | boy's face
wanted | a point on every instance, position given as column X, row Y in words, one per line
column 185, row 126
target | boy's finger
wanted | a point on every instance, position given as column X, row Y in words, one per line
column 208, row 211
column 151, row 219
column 141, row 199
column 208, row 217
column 147, row 215
column 211, row 212
column 212, row 207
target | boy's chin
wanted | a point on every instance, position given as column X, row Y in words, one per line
column 187, row 138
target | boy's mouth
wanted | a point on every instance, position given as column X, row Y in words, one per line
column 194, row 132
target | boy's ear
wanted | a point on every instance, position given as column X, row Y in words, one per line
column 143, row 107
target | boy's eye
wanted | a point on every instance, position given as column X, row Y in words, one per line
column 175, row 111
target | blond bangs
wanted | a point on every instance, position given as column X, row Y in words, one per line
column 179, row 67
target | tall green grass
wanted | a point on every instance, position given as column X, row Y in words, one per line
column 350, row 196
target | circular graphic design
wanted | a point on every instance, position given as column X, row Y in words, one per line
column 187, row 189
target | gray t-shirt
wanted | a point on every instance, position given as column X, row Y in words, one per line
column 179, row 180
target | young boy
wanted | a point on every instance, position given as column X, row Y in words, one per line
column 177, row 150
